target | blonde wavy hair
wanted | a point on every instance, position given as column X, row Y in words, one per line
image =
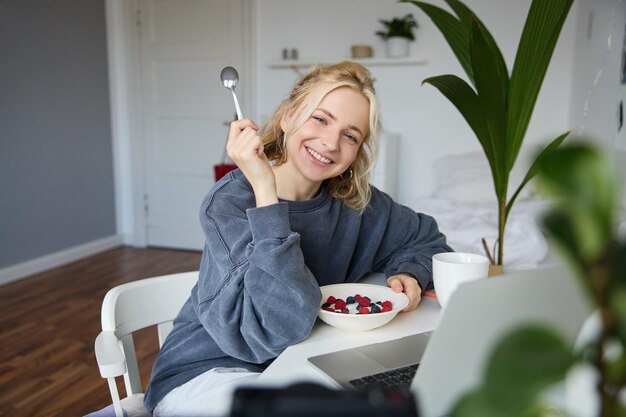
column 351, row 187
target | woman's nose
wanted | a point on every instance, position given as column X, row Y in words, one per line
column 331, row 140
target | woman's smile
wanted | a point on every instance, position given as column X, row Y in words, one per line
column 318, row 157
column 326, row 144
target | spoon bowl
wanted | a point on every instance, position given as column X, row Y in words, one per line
column 230, row 78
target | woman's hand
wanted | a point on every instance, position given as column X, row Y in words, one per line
column 408, row 285
column 245, row 148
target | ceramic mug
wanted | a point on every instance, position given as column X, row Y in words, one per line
column 453, row 268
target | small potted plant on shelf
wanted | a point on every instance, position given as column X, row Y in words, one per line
column 398, row 35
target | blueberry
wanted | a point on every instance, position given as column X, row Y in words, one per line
column 325, row 305
column 350, row 300
column 374, row 308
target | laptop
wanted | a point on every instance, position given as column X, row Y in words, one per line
column 440, row 366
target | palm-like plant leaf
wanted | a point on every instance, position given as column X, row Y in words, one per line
column 504, row 103
column 492, row 83
column 453, row 30
column 541, row 32
column 467, row 103
column 534, row 168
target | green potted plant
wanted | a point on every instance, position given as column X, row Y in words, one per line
column 498, row 105
column 398, row 34
column 530, row 359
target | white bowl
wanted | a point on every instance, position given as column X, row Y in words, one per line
column 361, row 322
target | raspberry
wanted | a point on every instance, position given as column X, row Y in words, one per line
column 365, row 305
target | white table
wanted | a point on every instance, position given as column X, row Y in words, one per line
column 292, row 365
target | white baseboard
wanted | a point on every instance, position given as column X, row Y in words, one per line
column 53, row 260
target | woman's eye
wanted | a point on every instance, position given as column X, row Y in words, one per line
column 319, row 119
column 351, row 137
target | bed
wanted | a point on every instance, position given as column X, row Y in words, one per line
column 464, row 205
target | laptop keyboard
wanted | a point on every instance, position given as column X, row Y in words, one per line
column 399, row 378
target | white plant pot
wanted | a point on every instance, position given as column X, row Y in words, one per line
column 397, row 47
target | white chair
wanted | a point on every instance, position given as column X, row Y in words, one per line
column 125, row 309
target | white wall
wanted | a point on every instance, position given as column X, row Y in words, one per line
column 429, row 125
column 598, row 60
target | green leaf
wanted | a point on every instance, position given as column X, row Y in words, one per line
column 524, row 363
column 475, row 403
column 620, row 410
column 453, row 30
column 615, row 369
column 466, row 101
column 617, row 292
column 541, row 32
column 492, row 83
column 462, row 11
column 583, row 185
column 534, row 168
column 560, row 229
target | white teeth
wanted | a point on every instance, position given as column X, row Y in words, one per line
column 318, row 156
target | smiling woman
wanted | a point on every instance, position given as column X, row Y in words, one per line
column 299, row 213
column 325, row 145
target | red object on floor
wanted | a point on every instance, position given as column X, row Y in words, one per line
column 223, row 169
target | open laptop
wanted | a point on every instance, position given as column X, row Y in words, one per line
column 450, row 360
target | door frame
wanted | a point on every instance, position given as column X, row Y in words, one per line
column 125, row 91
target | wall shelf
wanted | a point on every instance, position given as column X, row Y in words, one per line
column 305, row 63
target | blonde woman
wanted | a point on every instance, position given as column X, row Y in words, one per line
column 297, row 214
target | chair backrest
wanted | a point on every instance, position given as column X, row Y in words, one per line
column 147, row 302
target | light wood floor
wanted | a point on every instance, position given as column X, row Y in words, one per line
column 48, row 323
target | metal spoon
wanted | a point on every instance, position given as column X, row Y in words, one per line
column 230, row 78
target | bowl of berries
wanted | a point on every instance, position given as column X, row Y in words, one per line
column 360, row 306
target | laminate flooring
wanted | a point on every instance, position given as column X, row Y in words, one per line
column 48, row 324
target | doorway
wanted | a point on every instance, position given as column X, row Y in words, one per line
column 185, row 110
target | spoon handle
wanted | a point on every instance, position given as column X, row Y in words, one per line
column 239, row 115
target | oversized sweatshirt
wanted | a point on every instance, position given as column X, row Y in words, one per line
column 261, row 269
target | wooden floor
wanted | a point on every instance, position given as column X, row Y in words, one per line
column 48, row 323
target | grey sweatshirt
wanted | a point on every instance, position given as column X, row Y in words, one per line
column 261, row 269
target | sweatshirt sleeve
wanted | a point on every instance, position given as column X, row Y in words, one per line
column 409, row 240
column 255, row 294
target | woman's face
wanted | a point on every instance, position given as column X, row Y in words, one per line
column 328, row 141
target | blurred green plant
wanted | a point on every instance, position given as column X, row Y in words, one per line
column 498, row 108
column 582, row 224
column 401, row 27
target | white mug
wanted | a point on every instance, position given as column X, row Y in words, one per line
column 453, row 268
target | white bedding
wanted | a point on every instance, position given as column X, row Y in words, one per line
column 464, row 205
column 465, row 224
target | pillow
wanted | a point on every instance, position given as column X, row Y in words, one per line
column 467, row 177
